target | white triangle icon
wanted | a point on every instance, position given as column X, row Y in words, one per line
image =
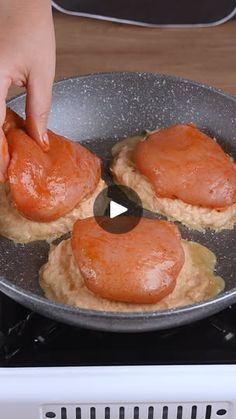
column 116, row 209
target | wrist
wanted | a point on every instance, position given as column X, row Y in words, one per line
column 14, row 9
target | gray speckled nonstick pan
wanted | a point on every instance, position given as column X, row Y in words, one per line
column 98, row 110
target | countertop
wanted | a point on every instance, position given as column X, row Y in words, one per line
column 86, row 46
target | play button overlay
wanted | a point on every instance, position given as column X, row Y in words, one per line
column 117, row 209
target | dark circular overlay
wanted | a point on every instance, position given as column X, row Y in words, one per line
column 112, row 200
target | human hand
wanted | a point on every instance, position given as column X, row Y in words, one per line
column 27, row 58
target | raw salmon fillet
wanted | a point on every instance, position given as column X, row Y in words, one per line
column 140, row 266
column 184, row 163
column 46, row 185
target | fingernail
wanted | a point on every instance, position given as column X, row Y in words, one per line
column 45, row 141
column 45, row 138
column 2, row 178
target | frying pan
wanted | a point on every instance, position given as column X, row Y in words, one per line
column 97, row 110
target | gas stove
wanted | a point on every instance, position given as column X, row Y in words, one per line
column 51, row 370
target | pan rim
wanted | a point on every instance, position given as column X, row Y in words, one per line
column 225, row 298
column 139, row 74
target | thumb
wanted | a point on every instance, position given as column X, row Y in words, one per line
column 4, row 155
column 38, row 102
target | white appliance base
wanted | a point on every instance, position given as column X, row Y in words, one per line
column 135, row 392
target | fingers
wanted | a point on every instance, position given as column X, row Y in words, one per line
column 38, row 102
column 4, row 86
column 12, row 120
column 4, row 155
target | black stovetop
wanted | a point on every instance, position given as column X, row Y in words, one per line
column 30, row 340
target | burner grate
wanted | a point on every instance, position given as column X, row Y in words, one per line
column 30, row 340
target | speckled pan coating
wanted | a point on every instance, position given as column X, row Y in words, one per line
column 97, row 110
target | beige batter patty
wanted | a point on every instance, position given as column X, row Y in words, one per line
column 61, row 281
column 125, row 173
column 18, row 228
